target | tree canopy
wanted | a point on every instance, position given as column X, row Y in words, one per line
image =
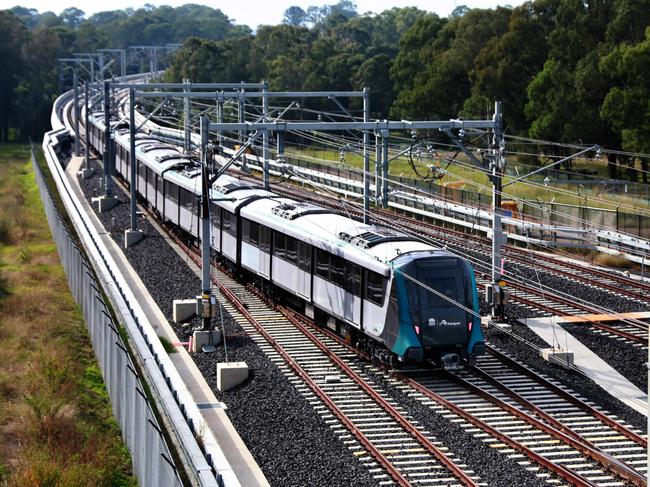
column 565, row 70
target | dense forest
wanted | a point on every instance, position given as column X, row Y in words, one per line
column 566, row 70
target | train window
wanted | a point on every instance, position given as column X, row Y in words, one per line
column 245, row 230
column 337, row 270
column 255, row 233
column 186, row 199
column 231, row 218
column 264, row 239
column 446, row 286
column 280, row 245
column 375, row 287
column 227, row 222
column 304, row 256
column 292, row 250
column 171, row 190
column 215, row 215
column 353, row 278
column 250, row 232
column 322, row 264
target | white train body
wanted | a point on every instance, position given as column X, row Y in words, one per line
column 332, row 264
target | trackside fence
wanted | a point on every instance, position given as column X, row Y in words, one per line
column 152, row 461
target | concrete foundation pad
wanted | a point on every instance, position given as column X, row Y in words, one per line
column 557, row 356
column 105, row 203
column 86, row 173
column 183, row 310
column 231, row 374
column 201, row 338
column 132, row 237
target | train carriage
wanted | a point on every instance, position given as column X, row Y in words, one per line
column 394, row 295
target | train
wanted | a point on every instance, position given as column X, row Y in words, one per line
column 397, row 298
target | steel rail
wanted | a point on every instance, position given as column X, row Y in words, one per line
column 509, row 361
column 192, row 253
column 407, row 425
column 595, row 324
column 375, row 452
column 555, row 311
column 551, row 426
column 559, row 469
column 241, row 307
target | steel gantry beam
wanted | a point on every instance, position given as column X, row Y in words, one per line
column 264, row 125
column 382, row 129
column 122, row 55
column 154, row 53
column 340, row 126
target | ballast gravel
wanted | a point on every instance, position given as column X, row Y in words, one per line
column 490, row 465
column 523, row 344
column 291, row 443
column 627, row 359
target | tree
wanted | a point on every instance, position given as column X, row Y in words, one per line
column 347, row 8
column 435, row 82
column 14, row 35
column 72, row 17
column 627, row 107
column 374, row 74
column 38, row 87
column 459, row 11
column 294, row 16
column 507, row 64
column 29, row 16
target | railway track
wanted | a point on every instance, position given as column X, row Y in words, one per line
column 523, row 413
column 563, row 440
column 517, row 411
column 507, row 405
column 387, row 440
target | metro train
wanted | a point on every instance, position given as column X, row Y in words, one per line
column 395, row 297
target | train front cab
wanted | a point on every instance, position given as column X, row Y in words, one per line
column 423, row 322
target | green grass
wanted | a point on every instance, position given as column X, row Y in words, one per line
column 56, row 423
column 167, row 345
column 474, row 180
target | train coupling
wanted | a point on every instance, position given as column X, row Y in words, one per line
column 450, row 361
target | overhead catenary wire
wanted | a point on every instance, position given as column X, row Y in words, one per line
column 481, row 264
column 435, row 292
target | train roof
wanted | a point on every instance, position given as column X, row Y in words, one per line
column 371, row 246
column 368, row 245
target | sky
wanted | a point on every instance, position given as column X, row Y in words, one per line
column 255, row 12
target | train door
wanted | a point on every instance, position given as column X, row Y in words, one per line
column 265, row 251
column 303, row 276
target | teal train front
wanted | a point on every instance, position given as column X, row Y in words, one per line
column 433, row 312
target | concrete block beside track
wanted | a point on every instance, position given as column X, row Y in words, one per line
column 183, row 310
column 231, row 374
